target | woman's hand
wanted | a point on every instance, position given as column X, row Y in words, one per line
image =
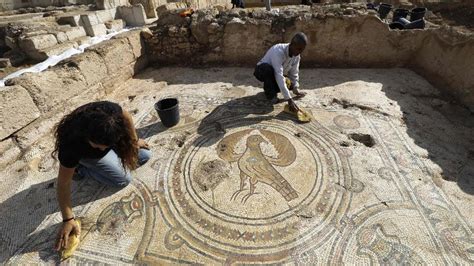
column 68, row 228
column 142, row 144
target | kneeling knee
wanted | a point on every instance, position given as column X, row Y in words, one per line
column 121, row 180
column 125, row 181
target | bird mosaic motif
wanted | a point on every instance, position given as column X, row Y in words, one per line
column 257, row 167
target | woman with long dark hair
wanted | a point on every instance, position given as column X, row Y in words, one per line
column 96, row 140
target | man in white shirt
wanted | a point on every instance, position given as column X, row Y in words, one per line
column 280, row 60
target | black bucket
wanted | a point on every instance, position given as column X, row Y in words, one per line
column 400, row 13
column 384, row 9
column 404, row 21
column 417, row 24
column 396, row 26
column 417, row 13
column 168, row 111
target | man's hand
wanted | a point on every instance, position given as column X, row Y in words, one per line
column 68, row 228
column 142, row 144
column 298, row 93
column 293, row 106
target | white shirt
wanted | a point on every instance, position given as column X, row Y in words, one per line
column 283, row 64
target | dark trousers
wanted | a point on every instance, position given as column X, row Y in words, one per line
column 265, row 73
column 238, row 3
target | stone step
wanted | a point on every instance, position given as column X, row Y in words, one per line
column 82, row 40
column 75, row 32
column 43, row 54
column 73, row 20
column 115, row 25
column 98, row 17
column 133, row 15
column 96, row 30
column 37, row 42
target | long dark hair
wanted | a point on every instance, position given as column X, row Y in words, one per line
column 101, row 123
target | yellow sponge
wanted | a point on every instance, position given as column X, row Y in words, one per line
column 288, row 83
column 301, row 115
column 72, row 245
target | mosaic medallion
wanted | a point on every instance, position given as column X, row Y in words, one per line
column 346, row 122
column 244, row 192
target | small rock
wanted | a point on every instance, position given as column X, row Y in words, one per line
column 344, row 143
column 146, row 33
column 4, row 62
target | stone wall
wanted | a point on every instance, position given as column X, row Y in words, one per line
column 16, row 4
column 32, row 104
column 347, row 37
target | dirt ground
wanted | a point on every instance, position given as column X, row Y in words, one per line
column 460, row 17
column 383, row 173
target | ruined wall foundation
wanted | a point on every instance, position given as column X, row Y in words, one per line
column 34, row 102
column 350, row 37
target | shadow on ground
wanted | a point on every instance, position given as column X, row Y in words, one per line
column 25, row 211
column 433, row 121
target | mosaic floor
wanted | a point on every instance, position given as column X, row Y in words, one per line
column 239, row 182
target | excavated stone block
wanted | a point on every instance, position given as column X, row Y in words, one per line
column 115, row 25
column 74, row 20
column 38, row 42
column 88, row 20
column 106, row 15
column 136, row 42
column 75, row 32
column 91, row 65
column 109, row 4
column 117, row 78
column 9, row 151
column 43, row 54
column 116, row 54
column 17, row 110
column 36, row 131
column 96, row 30
column 82, row 40
column 35, row 32
column 61, row 37
column 148, row 5
column 141, row 64
column 54, row 87
column 133, row 15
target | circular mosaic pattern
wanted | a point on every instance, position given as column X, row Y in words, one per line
column 346, row 122
column 260, row 181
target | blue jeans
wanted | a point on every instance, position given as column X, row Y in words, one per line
column 109, row 170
